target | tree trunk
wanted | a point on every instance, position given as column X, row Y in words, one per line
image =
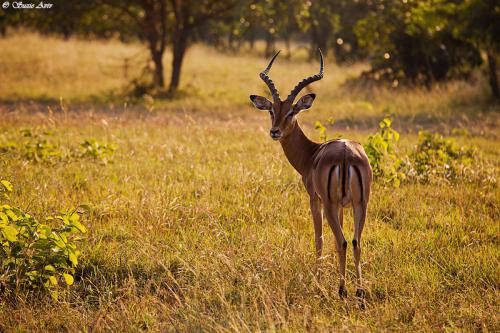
column 158, row 79
column 269, row 46
column 180, row 40
column 286, row 38
column 66, row 31
column 318, row 40
column 251, row 38
column 492, row 69
column 230, row 41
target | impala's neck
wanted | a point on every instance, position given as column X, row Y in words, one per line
column 299, row 150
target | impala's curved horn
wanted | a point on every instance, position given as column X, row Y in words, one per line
column 302, row 84
column 268, row 81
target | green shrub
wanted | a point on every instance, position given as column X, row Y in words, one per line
column 98, row 150
column 323, row 135
column 37, row 147
column 37, row 256
column 386, row 162
column 433, row 158
column 436, row 156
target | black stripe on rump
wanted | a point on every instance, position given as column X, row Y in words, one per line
column 360, row 181
column 329, row 180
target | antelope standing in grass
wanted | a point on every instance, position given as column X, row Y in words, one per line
column 335, row 174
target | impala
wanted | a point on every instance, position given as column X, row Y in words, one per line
column 336, row 174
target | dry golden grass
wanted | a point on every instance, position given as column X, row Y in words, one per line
column 201, row 224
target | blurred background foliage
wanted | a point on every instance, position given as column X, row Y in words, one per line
column 405, row 41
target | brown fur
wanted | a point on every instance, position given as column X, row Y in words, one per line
column 335, row 174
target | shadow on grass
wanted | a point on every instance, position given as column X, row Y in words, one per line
column 98, row 282
column 477, row 117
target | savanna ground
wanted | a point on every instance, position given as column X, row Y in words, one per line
column 200, row 223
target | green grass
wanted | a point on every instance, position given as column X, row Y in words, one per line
column 200, row 223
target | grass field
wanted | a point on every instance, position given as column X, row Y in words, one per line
column 200, row 223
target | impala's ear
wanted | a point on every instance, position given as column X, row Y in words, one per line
column 261, row 103
column 304, row 103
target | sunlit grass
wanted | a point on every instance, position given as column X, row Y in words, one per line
column 201, row 224
column 48, row 69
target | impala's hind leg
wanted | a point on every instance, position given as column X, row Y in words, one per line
column 341, row 217
column 359, row 222
column 315, row 203
column 332, row 215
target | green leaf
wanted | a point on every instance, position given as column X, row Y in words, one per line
column 50, row 268
column 53, row 280
column 10, row 233
column 79, row 226
column 8, row 186
column 59, row 243
column 4, row 217
column 69, row 279
column 12, row 215
column 73, row 259
column 45, row 230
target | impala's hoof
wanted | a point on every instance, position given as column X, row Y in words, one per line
column 342, row 292
column 360, row 295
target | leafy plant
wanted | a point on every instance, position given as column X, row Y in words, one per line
column 7, row 147
column 38, row 148
column 5, row 188
column 98, row 150
column 382, row 152
column 34, row 255
column 322, row 131
column 418, row 41
column 436, row 156
column 323, row 135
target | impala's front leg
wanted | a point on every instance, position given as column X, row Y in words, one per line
column 315, row 202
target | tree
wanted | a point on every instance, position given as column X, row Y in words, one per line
column 160, row 22
column 150, row 20
column 345, row 43
column 478, row 22
column 188, row 15
column 412, row 41
column 320, row 19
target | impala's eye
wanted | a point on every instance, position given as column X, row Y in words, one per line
column 271, row 113
column 289, row 115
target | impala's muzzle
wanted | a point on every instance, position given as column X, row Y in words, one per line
column 275, row 133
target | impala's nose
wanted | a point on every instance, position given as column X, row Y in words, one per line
column 275, row 133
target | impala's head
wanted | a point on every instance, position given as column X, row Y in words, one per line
column 283, row 112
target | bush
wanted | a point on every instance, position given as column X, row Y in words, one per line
column 382, row 152
column 37, row 256
column 436, row 156
column 37, row 147
column 415, row 42
column 98, row 150
column 323, row 135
